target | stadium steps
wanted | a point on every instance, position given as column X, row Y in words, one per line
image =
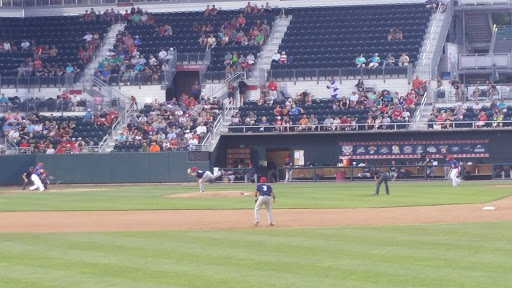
column 265, row 56
column 478, row 29
column 434, row 37
column 107, row 44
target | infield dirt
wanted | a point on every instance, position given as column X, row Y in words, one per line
column 89, row 221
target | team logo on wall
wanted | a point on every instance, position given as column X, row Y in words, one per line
column 479, row 148
column 431, row 149
column 408, row 149
column 411, row 149
column 347, row 149
column 384, row 150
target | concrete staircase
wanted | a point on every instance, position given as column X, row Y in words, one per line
column 258, row 76
column 478, row 29
column 434, row 38
column 107, row 44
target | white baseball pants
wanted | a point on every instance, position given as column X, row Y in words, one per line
column 453, row 175
column 206, row 177
column 37, row 183
column 263, row 200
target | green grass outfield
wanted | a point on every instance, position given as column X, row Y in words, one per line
column 294, row 195
column 445, row 255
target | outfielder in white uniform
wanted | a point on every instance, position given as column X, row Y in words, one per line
column 262, row 197
column 203, row 176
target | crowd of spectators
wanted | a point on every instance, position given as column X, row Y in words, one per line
column 491, row 115
column 51, row 134
column 375, row 61
column 380, row 109
column 169, row 126
column 130, row 65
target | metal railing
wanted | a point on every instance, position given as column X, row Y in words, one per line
column 199, row 57
column 340, row 128
column 437, row 46
column 66, row 81
column 322, row 74
column 479, row 61
column 9, row 145
column 493, row 39
column 221, row 90
column 422, row 105
column 483, row 2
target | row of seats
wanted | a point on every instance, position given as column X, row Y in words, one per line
column 64, row 32
column 331, row 31
column 179, row 20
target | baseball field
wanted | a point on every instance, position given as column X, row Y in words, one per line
column 425, row 234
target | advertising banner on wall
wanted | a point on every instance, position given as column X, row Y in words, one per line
column 411, row 149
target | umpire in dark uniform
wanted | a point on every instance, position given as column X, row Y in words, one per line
column 382, row 176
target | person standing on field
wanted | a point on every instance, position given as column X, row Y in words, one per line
column 27, row 177
column 288, row 169
column 262, row 197
column 383, row 177
column 455, row 170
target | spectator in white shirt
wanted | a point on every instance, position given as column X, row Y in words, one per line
column 250, row 58
column 162, row 55
column 354, row 97
column 7, row 46
column 25, row 45
column 50, row 150
column 276, row 57
column 201, row 129
column 14, row 135
column 87, row 37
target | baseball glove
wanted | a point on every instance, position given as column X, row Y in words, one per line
column 189, row 171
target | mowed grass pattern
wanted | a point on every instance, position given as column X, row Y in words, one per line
column 445, row 255
column 294, row 195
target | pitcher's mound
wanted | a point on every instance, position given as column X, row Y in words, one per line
column 210, row 194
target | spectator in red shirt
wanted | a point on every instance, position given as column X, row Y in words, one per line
column 59, row 150
column 419, row 85
column 272, row 88
column 396, row 113
column 344, row 123
column 482, row 118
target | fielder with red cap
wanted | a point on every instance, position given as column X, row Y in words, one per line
column 454, row 172
column 203, row 176
column 262, row 197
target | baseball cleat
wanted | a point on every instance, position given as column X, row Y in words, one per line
column 272, row 224
column 256, row 223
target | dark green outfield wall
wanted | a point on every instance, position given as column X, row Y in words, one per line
column 104, row 168
column 171, row 167
column 323, row 148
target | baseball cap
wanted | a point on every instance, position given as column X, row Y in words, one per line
column 193, row 169
column 263, row 180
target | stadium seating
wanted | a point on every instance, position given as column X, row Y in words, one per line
column 332, row 37
column 87, row 130
column 64, row 32
column 321, row 108
column 470, row 117
column 185, row 40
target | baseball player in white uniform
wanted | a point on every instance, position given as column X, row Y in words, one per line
column 37, row 182
column 203, row 176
